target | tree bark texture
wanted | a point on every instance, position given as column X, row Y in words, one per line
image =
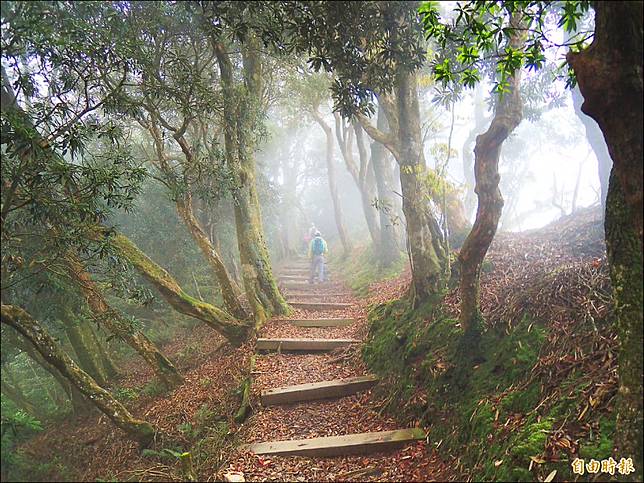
column 119, row 326
column 624, row 251
column 427, row 251
column 78, row 401
column 241, row 107
column 333, row 187
column 360, row 174
column 29, row 328
column 508, row 115
column 389, row 250
column 78, row 338
column 12, row 390
column 184, row 206
column 233, row 330
column 609, row 74
column 228, row 292
column 597, row 143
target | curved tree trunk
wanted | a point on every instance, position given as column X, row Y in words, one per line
column 216, row 318
column 20, row 320
column 609, row 73
column 239, row 111
column 387, row 204
column 362, row 175
column 597, row 143
column 12, row 390
column 333, row 187
column 115, row 323
column 427, row 252
column 78, row 401
column 228, row 292
column 508, row 115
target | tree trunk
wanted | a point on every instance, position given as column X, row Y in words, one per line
column 508, row 115
column 12, row 390
column 387, row 204
column 106, row 359
column 624, row 250
column 609, row 73
column 118, row 325
column 597, row 143
column 216, row 318
column 333, row 187
column 78, row 401
column 241, row 108
column 361, row 175
column 428, row 256
column 228, row 292
column 86, row 360
column 20, row 320
column 468, row 152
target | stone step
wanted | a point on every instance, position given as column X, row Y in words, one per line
column 303, row 344
column 349, row 444
column 319, row 305
column 317, row 390
column 321, row 322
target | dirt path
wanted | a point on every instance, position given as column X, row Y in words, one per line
column 357, row 413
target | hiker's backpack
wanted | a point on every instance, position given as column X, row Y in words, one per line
column 318, row 246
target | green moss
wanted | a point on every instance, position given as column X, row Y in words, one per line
column 600, row 445
column 531, row 441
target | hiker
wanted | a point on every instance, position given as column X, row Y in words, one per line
column 317, row 250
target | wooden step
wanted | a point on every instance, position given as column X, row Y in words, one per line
column 317, row 390
column 294, row 278
column 349, row 444
column 295, row 271
column 319, row 305
column 303, row 344
column 321, row 322
column 316, row 294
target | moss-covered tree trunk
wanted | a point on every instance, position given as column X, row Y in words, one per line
column 228, row 292
column 428, row 255
column 13, row 391
column 82, row 347
column 106, row 359
column 609, row 74
column 624, row 251
column 21, row 321
column 242, row 108
column 333, row 187
column 184, row 205
column 508, row 115
column 119, row 326
column 224, row 323
column 78, row 401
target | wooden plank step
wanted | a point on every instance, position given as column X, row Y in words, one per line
column 321, row 322
column 303, row 344
column 319, row 305
column 317, row 294
column 294, row 278
column 349, row 444
column 317, row 390
column 295, row 271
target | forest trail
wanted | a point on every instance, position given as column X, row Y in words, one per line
column 318, row 419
